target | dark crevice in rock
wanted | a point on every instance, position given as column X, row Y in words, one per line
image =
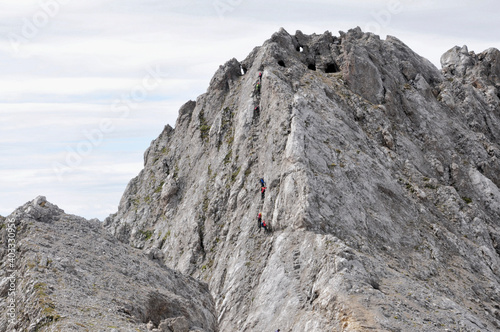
column 375, row 283
column 166, row 168
column 495, row 239
column 331, row 68
column 201, row 238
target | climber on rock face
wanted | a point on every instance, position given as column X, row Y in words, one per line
column 256, row 110
column 259, row 220
column 262, row 182
column 260, row 75
column 263, row 192
column 257, row 87
column 264, row 225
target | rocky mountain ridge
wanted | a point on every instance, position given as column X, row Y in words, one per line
column 68, row 274
column 382, row 196
column 382, row 176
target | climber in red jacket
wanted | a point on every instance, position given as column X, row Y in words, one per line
column 264, row 225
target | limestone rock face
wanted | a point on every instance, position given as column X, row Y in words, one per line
column 382, row 179
column 68, row 274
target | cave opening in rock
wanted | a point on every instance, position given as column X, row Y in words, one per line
column 300, row 49
column 281, row 63
column 158, row 307
column 311, row 66
column 243, row 70
column 332, row 68
column 375, row 284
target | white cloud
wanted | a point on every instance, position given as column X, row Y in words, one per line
column 63, row 79
column 16, row 89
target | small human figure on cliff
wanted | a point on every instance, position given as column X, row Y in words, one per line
column 260, row 76
column 263, row 192
column 264, row 225
column 257, row 88
column 259, row 220
column 256, row 111
column 262, row 182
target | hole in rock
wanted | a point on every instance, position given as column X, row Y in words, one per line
column 375, row 284
column 331, row 68
column 243, row 70
column 312, row 66
column 300, row 49
column 281, row 63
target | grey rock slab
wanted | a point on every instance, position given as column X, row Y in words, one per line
column 71, row 275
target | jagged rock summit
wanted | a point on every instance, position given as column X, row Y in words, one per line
column 382, row 188
column 71, row 275
column 382, row 196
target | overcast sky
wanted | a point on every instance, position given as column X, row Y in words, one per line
column 86, row 85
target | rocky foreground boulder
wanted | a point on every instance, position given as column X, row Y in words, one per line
column 68, row 274
column 382, row 179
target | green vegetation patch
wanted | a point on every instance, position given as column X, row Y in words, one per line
column 48, row 307
column 146, row 234
column 467, row 200
column 206, row 202
column 227, row 158
column 204, row 127
column 248, row 171
column 176, row 172
column 159, row 188
column 235, row 174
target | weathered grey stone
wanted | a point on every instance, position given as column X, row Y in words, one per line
column 176, row 324
column 169, row 189
column 382, row 188
column 457, row 60
column 71, row 275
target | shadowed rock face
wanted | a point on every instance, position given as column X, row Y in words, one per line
column 71, row 275
column 382, row 188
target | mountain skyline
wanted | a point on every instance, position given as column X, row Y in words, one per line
column 374, row 175
column 67, row 64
